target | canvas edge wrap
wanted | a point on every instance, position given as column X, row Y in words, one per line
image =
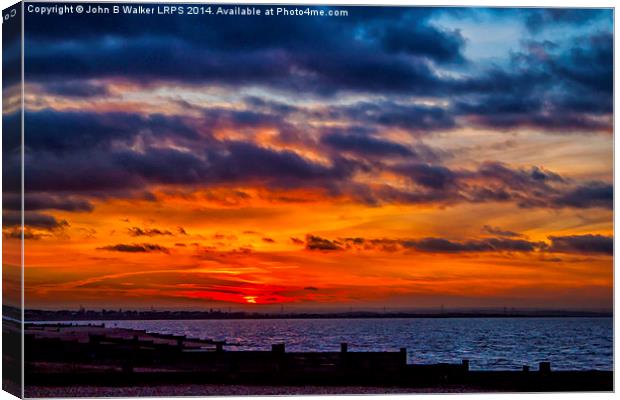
column 13, row 199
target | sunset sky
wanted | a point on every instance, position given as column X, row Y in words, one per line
column 397, row 157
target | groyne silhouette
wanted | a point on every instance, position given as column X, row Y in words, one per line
column 62, row 354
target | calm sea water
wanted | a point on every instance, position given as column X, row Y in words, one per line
column 489, row 343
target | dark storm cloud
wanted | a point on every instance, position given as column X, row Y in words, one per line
column 494, row 182
column 594, row 194
column 74, row 131
column 390, row 53
column 11, row 138
column 135, row 248
column 553, row 86
column 43, row 221
column 243, row 119
column 429, row 176
column 249, row 50
column 44, row 201
column 360, row 121
column 537, row 19
column 76, row 89
column 245, row 161
column 558, row 88
column 109, row 166
column 11, row 48
column 517, row 178
column 588, row 63
column 38, row 201
column 63, row 148
column 97, row 171
column 32, row 219
column 412, row 117
column 583, row 244
column 421, row 39
column 365, row 145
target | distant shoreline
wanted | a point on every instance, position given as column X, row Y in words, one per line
column 33, row 316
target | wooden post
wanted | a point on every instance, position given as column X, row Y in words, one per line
column 526, row 368
column 277, row 351
column 278, row 348
column 344, row 347
column 465, row 364
column 94, row 339
column 219, row 346
column 403, row 355
column 544, row 366
column 127, row 367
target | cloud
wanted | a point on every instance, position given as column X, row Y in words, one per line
column 135, row 248
column 65, row 180
column 492, row 181
column 76, row 89
column 552, row 87
column 297, row 241
column 439, row 245
column 537, row 19
column 318, row 243
column 593, row 194
column 248, row 50
column 227, row 162
column 429, row 176
column 493, row 230
column 504, row 243
column 415, row 118
column 33, row 220
column 36, row 225
column 28, row 234
column 582, row 244
column 559, row 86
column 71, row 131
column 44, row 201
column 136, row 231
column 418, row 39
column 555, row 86
column 365, row 145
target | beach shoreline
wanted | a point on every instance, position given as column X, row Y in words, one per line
column 234, row 390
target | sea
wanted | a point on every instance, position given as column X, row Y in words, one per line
column 488, row 343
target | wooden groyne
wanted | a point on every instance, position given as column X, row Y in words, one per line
column 58, row 355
